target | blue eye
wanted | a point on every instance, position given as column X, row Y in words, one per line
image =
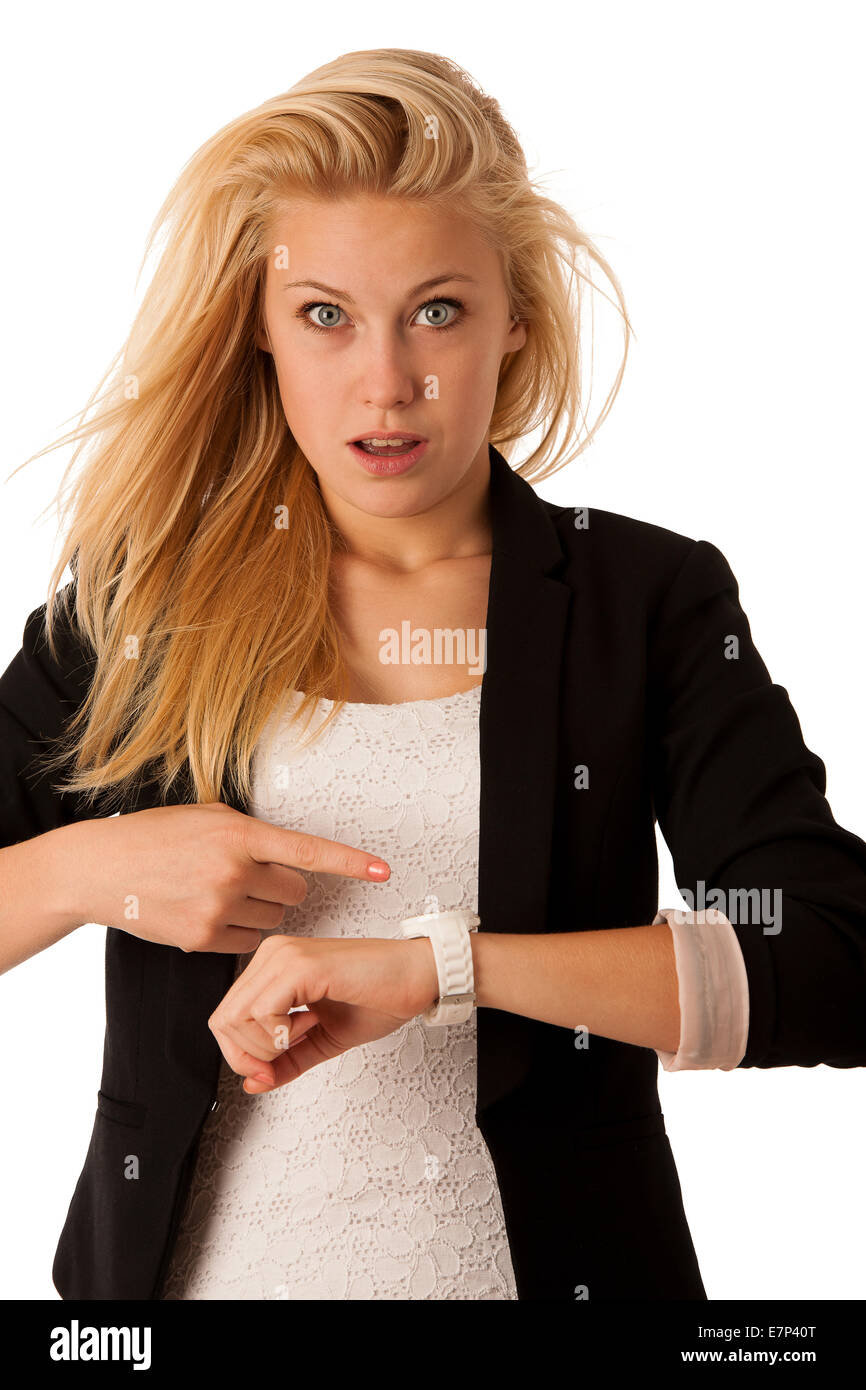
column 318, row 304
column 320, row 327
column 436, row 303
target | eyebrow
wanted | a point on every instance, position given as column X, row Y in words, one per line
column 344, row 294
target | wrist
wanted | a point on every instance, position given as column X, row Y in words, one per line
column 61, row 882
column 449, row 936
column 427, row 972
column 481, row 944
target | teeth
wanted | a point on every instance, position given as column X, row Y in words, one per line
column 385, row 443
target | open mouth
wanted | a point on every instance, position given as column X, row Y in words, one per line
column 385, row 447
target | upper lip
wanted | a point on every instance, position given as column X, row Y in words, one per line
column 388, row 434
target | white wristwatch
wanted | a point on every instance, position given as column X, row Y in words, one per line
column 452, row 949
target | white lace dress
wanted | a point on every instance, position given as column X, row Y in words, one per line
column 367, row 1177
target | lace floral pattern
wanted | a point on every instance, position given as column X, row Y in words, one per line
column 367, row 1177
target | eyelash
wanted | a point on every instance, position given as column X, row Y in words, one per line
column 436, row 328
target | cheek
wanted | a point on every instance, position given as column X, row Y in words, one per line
column 469, row 387
column 303, row 392
column 472, row 369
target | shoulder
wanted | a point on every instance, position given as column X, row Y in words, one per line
column 64, row 672
column 645, row 564
column 603, row 538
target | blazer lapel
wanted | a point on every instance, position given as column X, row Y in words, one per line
column 519, row 717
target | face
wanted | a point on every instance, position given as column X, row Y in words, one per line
column 381, row 351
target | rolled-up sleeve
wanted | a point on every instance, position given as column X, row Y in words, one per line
column 713, row 991
column 739, row 799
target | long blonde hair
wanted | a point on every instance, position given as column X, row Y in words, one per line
column 203, row 614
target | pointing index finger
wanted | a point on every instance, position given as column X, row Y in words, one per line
column 274, row 844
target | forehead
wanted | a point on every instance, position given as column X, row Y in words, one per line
column 346, row 240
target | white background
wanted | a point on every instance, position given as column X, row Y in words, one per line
column 715, row 154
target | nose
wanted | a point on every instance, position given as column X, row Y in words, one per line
column 387, row 373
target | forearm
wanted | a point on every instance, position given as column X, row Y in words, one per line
column 34, row 913
column 619, row 983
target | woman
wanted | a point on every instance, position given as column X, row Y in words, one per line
column 513, row 692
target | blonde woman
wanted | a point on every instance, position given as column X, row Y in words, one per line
column 339, row 668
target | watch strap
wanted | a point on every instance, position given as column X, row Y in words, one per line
column 452, row 951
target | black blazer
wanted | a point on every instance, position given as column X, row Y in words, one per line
column 605, row 645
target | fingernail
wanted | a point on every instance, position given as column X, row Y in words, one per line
column 260, row 1076
column 378, row 869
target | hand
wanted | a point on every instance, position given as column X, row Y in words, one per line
column 202, row 877
column 357, row 989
